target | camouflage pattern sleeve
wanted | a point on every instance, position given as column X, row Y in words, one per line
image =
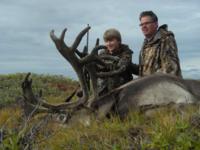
column 125, row 59
column 169, row 56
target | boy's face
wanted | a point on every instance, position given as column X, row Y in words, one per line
column 112, row 45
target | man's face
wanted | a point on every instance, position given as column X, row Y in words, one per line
column 148, row 27
column 112, row 45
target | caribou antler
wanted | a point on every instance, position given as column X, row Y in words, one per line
column 69, row 54
column 32, row 99
column 79, row 61
column 111, row 73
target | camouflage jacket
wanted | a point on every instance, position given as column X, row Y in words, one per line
column 160, row 54
column 125, row 58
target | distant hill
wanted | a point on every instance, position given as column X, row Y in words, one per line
column 56, row 86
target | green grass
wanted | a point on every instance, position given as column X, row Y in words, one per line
column 166, row 128
column 55, row 86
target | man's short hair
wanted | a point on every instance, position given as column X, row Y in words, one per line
column 112, row 33
column 149, row 13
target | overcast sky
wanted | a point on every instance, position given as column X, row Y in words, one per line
column 25, row 44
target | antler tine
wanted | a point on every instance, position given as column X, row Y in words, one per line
column 69, row 53
column 27, row 76
column 110, row 73
column 27, row 89
column 82, row 54
column 62, row 36
column 69, row 98
column 53, row 36
column 85, row 53
column 97, row 48
column 91, row 56
column 60, row 44
column 79, row 38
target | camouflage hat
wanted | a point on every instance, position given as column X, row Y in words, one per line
column 112, row 33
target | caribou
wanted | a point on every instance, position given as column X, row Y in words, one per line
column 139, row 94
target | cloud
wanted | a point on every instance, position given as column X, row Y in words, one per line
column 191, row 74
column 25, row 26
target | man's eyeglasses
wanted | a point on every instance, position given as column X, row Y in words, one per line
column 146, row 23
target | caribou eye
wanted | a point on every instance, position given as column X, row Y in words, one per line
column 64, row 118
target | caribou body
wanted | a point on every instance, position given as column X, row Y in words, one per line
column 151, row 92
column 141, row 93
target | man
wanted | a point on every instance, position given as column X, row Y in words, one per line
column 159, row 52
column 114, row 47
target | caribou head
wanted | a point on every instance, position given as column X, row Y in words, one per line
column 142, row 93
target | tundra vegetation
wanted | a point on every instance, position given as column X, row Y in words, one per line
column 166, row 128
column 154, row 112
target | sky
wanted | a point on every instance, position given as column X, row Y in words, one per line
column 25, row 45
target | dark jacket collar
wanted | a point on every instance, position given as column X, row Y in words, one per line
column 158, row 35
column 122, row 47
